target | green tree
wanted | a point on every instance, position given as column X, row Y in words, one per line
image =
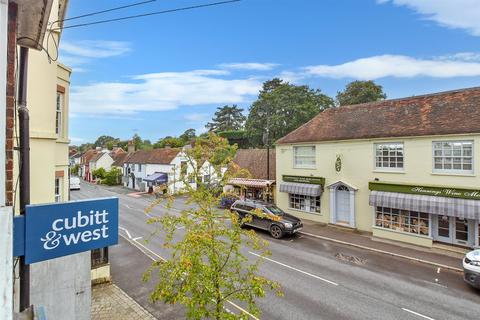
column 207, row 266
column 104, row 141
column 188, row 135
column 360, row 92
column 99, row 173
column 227, row 118
column 112, row 177
column 283, row 107
column 171, row 142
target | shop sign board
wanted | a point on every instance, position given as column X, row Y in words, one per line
column 60, row 229
column 428, row 190
column 304, row 179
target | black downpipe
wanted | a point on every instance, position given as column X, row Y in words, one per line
column 24, row 128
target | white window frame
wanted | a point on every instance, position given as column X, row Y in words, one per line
column 58, row 189
column 59, row 114
column 394, row 169
column 310, row 198
column 454, row 171
column 295, row 148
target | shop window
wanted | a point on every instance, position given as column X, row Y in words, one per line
column 389, row 156
column 453, row 156
column 58, row 189
column 402, row 220
column 304, row 157
column 304, row 203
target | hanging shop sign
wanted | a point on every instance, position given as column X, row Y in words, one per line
column 428, row 190
column 59, row 229
column 304, row 179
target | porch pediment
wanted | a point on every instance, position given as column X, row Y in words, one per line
column 341, row 182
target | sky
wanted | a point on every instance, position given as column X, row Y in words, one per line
column 160, row 75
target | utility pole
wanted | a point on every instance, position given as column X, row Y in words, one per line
column 24, row 128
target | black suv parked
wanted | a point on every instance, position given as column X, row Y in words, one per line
column 274, row 219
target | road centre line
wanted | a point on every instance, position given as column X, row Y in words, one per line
column 417, row 314
column 149, row 252
column 295, row 269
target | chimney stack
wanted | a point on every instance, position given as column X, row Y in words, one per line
column 130, row 146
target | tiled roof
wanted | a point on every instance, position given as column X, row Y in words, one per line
column 452, row 112
column 120, row 159
column 155, row 156
column 88, row 155
column 255, row 161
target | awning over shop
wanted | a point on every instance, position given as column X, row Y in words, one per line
column 158, row 177
column 306, row 189
column 454, row 207
column 255, row 183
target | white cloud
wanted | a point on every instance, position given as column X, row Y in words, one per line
column 401, row 67
column 196, row 117
column 459, row 14
column 161, row 91
column 76, row 139
column 249, row 66
column 95, row 48
column 79, row 53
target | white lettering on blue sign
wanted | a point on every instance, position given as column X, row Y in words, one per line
column 53, row 238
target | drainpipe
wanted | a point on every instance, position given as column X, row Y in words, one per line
column 24, row 127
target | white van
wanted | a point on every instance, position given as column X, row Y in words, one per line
column 74, row 183
column 471, row 268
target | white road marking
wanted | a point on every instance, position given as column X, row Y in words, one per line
column 126, row 231
column 182, row 227
column 417, row 314
column 295, row 269
column 381, row 251
column 438, row 270
column 137, row 238
column 151, row 254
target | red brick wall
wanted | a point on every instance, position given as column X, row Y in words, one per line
column 10, row 113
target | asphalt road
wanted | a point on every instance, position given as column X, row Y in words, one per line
column 320, row 279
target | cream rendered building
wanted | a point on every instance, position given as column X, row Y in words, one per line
column 62, row 286
column 405, row 169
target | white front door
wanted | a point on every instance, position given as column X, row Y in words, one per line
column 342, row 204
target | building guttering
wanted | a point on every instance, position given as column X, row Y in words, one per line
column 24, row 128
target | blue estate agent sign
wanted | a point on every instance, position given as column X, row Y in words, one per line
column 60, row 229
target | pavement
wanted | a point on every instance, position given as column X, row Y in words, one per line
column 324, row 273
column 111, row 302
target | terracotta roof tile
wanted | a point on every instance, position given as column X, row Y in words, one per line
column 255, row 161
column 155, row 156
column 452, row 112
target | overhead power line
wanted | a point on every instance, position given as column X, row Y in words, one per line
column 107, row 10
column 146, row 14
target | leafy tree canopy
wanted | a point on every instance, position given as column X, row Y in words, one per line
column 283, row 107
column 227, row 118
column 207, row 266
column 360, row 92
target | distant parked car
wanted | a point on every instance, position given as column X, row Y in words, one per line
column 227, row 201
column 471, row 268
column 74, row 183
column 273, row 220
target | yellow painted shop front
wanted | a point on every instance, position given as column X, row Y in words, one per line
column 444, row 214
